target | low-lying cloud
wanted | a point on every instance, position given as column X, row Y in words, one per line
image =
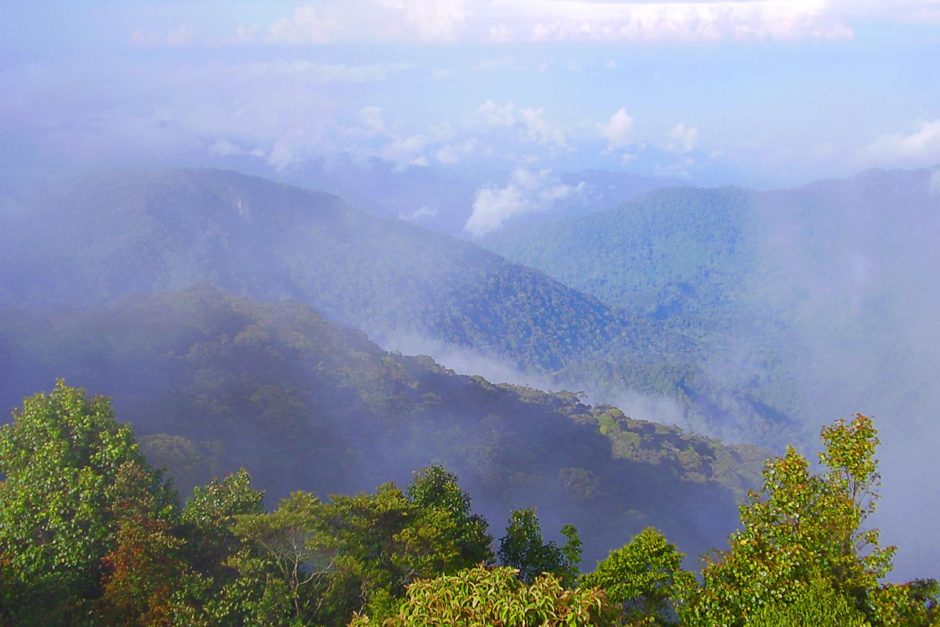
column 900, row 149
column 526, row 192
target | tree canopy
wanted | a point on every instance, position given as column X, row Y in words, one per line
column 92, row 535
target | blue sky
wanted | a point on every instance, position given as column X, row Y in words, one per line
column 755, row 92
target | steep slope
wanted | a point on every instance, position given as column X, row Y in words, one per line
column 211, row 382
column 668, row 251
column 115, row 234
column 771, row 286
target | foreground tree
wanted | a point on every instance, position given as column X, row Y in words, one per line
column 279, row 566
column 146, row 565
column 522, row 548
column 815, row 604
column 805, row 530
column 645, row 578
column 437, row 494
column 62, row 457
column 384, row 541
column 497, row 597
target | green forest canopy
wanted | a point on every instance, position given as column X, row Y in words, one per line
column 91, row 534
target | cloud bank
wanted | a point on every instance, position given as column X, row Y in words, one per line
column 903, row 149
column 507, row 21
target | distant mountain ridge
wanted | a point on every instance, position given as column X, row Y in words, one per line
column 120, row 233
column 442, row 199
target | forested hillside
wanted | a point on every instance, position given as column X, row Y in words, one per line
column 212, row 382
column 768, row 286
column 676, row 252
column 107, row 235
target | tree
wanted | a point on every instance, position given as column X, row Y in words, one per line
column 522, row 548
column 435, row 489
column 381, row 543
column 279, row 564
column 208, row 517
column 800, row 528
column 497, row 597
column 62, row 456
column 146, row 566
column 645, row 577
column 815, row 604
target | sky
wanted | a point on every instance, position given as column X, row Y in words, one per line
column 760, row 93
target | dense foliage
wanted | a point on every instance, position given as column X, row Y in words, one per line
column 212, row 383
column 70, row 508
column 645, row 577
column 114, row 234
column 90, row 534
column 497, row 597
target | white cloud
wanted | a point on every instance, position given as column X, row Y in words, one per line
column 498, row 115
column 405, row 151
column 919, row 147
column 225, row 148
column 501, row 33
column 682, row 138
column 386, row 141
column 424, row 211
column 895, row 10
column 450, row 154
column 308, row 25
column 374, row 20
column 536, row 128
column 507, row 63
column 618, row 130
column 301, row 71
column 584, row 20
column 372, row 119
column 502, row 21
column 493, row 206
column 530, row 124
column 527, row 191
column 442, row 74
column 431, row 20
column 678, row 169
column 291, row 149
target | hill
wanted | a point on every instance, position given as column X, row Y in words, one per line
column 112, row 234
column 769, row 286
column 211, row 381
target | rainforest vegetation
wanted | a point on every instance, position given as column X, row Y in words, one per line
column 91, row 533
